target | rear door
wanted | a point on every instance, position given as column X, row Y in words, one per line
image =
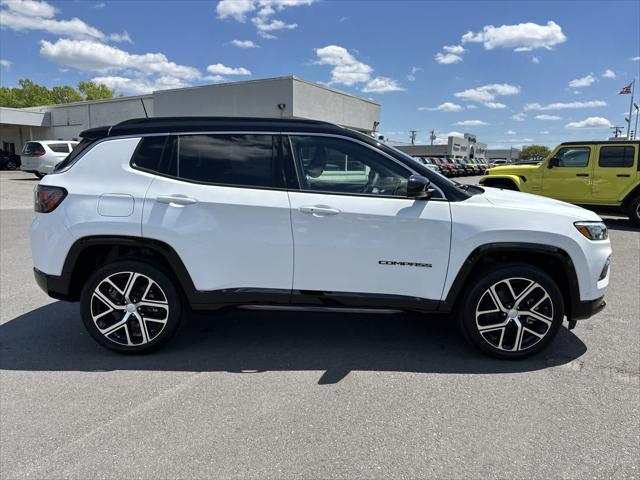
column 58, row 151
column 615, row 172
column 358, row 239
column 571, row 179
column 220, row 201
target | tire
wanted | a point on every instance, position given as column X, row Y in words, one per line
column 40, row 175
column 633, row 209
column 12, row 165
column 513, row 333
column 136, row 290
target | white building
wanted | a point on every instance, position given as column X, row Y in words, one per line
column 281, row 97
column 466, row 147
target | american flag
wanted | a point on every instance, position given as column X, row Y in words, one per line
column 626, row 90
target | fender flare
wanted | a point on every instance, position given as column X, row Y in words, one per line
column 487, row 180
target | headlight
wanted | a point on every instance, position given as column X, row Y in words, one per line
column 593, row 230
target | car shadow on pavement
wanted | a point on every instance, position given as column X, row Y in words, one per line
column 52, row 338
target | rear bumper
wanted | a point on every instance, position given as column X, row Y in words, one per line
column 588, row 308
column 55, row 286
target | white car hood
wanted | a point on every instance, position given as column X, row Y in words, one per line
column 529, row 202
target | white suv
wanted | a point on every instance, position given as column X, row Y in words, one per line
column 42, row 156
column 150, row 218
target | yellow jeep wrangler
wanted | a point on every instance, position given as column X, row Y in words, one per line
column 595, row 174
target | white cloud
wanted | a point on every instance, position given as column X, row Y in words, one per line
column 608, row 73
column 455, row 49
column 244, row 44
column 488, row 93
column 346, row 69
column 444, row 107
column 412, row 76
column 510, row 132
column 591, row 122
column 535, row 60
column 635, row 59
column 519, row 117
column 447, row 58
column 120, row 37
column 582, row 82
column 521, row 37
column 90, row 56
column 565, row 105
column 99, row 5
column 239, row 10
column 544, row 132
column 382, row 85
column 548, row 117
column 5, row 63
column 471, row 123
column 25, row 15
column 220, row 69
column 140, row 85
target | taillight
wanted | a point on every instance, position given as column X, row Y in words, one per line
column 38, row 153
column 48, row 198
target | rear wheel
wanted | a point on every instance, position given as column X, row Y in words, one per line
column 12, row 165
column 130, row 307
column 512, row 311
column 633, row 209
column 39, row 175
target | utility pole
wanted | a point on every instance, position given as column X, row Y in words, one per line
column 432, row 137
column 413, row 136
column 617, row 131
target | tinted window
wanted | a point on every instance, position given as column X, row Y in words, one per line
column 233, row 159
column 573, row 157
column 31, row 148
column 335, row 165
column 59, row 147
column 149, row 153
column 616, row 157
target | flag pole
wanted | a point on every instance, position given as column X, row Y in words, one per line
column 635, row 130
column 633, row 84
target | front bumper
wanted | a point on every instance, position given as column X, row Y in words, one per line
column 55, row 286
column 587, row 308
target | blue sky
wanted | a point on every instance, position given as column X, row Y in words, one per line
column 512, row 72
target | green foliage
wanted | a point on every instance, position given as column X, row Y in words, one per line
column 533, row 152
column 30, row 94
column 95, row 91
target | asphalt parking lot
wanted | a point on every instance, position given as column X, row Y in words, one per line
column 249, row 394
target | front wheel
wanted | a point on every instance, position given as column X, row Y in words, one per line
column 512, row 311
column 130, row 307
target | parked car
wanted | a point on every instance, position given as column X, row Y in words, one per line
column 464, row 168
column 429, row 163
column 41, row 156
column 9, row 161
column 500, row 161
column 595, row 174
column 448, row 168
column 150, row 218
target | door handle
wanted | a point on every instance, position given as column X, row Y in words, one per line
column 623, row 175
column 582, row 174
column 319, row 210
column 176, row 199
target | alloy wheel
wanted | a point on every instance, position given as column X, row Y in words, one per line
column 129, row 308
column 514, row 314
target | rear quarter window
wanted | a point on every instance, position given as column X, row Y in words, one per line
column 616, row 156
column 148, row 154
column 32, row 147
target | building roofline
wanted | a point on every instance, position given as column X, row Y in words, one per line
column 85, row 102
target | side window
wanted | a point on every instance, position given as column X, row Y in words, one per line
column 232, row 159
column 618, row 156
column 328, row 164
column 149, row 153
column 573, row 157
column 59, row 147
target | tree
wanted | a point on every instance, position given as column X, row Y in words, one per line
column 65, row 94
column 30, row 94
column 95, row 91
column 534, row 152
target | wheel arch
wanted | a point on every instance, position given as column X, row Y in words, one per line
column 553, row 260
column 88, row 253
column 501, row 180
column 630, row 194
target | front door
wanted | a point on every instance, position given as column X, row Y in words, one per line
column 570, row 180
column 358, row 239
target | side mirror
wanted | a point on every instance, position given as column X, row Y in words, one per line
column 418, row 187
column 553, row 162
